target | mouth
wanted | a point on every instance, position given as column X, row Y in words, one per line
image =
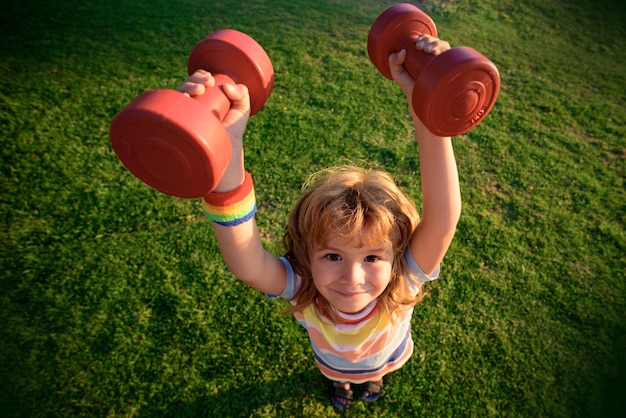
column 349, row 294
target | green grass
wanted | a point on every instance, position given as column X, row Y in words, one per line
column 113, row 298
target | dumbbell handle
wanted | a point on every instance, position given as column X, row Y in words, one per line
column 214, row 98
column 415, row 60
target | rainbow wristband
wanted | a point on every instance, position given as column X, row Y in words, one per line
column 231, row 208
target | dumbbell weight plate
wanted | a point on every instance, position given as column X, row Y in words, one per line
column 172, row 143
column 396, row 25
column 456, row 91
column 237, row 55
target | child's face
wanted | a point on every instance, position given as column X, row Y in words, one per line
column 350, row 277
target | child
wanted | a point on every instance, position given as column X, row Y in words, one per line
column 357, row 252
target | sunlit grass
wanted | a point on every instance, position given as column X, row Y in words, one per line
column 113, row 297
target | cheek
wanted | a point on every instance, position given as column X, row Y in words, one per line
column 383, row 276
column 322, row 274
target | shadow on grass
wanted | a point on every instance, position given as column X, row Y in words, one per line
column 277, row 396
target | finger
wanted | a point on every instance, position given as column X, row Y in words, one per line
column 192, row 88
column 238, row 95
column 439, row 47
column 397, row 58
column 425, row 43
column 424, row 39
column 202, row 77
column 431, row 44
column 197, row 83
column 396, row 64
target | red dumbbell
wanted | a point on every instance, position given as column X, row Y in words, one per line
column 453, row 91
column 177, row 144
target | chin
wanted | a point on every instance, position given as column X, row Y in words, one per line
column 352, row 308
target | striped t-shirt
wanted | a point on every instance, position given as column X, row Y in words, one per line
column 361, row 347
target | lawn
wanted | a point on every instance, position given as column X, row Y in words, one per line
column 114, row 301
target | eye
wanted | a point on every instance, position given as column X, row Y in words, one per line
column 333, row 257
column 371, row 258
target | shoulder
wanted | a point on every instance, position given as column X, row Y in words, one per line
column 292, row 282
column 417, row 270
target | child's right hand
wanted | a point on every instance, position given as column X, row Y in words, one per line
column 234, row 122
column 237, row 117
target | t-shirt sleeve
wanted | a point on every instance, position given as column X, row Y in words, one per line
column 290, row 287
column 417, row 270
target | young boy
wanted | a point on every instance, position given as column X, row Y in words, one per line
column 357, row 251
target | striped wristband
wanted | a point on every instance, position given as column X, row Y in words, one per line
column 231, row 208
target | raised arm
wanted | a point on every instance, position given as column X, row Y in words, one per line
column 239, row 244
column 441, row 196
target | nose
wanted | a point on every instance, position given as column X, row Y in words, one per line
column 353, row 273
